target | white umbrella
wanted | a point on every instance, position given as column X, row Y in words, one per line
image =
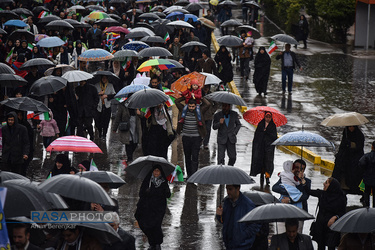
column 180, row 24
column 345, row 119
column 141, row 79
column 77, row 76
column 211, row 79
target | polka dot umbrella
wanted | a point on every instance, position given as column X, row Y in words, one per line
column 95, row 55
column 255, row 115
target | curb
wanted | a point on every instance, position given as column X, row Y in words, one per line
column 325, row 165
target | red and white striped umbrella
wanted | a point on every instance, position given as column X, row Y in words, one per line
column 74, row 144
column 255, row 115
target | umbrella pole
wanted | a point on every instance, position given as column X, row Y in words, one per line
column 220, row 193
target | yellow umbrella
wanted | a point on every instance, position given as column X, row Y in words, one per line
column 214, row 2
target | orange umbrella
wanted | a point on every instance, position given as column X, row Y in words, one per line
column 182, row 83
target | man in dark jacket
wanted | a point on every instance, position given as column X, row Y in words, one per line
column 127, row 240
column 16, row 145
column 288, row 62
column 206, row 64
column 87, row 98
column 367, row 163
column 236, row 235
column 94, row 37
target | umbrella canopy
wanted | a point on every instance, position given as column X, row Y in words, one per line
column 5, row 69
column 182, row 2
column 143, row 165
column 139, row 32
column 25, row 104
column 76, row 187
column 285, row 39
column 231, row 23
column 172, row 8
column 276, row 212
column 162, row 64
column 361, row 220
column 192, row 7
column 107, row 22
column 180, row 24
column 73, row 22
column 255, row 33
column 137, row 12
column 122, row 55
column 103, row 232
column 149, row 16
column 5, row 176
column 135, row 45
column 95, row 8
column 345, row 119
column 161, row 28
column 98, row 75
column 77, row 76
column 77, row 7
column 39, row 37
column 47, row 85
column 146, row 98
column 98, row 15
column 251, row 4
column 176, row 64
column 105, row 177
column 117, row 29
column 114, row 16
column 228, row 3
column 152, row 39
column 59, row 25
column 190, row 16
column 95, row 55
column 64, row 68
column 15, row 23
column 260, row 198
column 211, row 79
column 50, row 42
column 143, row 25
column 18, row 34
column 156, row 8
column 38, row 9
column 226, row 97
column 221, row 174
column 48, row 19
column 125, row 91
column 207, row 23
column 141, row 80
column 255, row 115
column 187, row 47
column 180, row 85
column 74, row 144
column 37, row 62
column 175, row 15
column 230, row 41
column 302, row 138
column 3, row 32
column 10, row 80
column 8, row 14
column 55, row 200
column 154, row 51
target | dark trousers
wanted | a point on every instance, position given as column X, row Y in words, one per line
column 191, row 151
column 85, row 123
column 367, row 195
column 245, row 66
column 14, row 168
column 102, row 120
column 47, row 141
column 231, row 150
column 130, row 148
column 154, row 235
column 287, row 72
column 208, row 132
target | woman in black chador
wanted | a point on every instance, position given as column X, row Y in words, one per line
column 224, row 64
column 262, row 65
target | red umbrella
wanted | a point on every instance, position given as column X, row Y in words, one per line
column 117, row 29
column 74, row 144
column 255, row 115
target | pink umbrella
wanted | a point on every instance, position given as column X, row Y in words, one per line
column 117, row 29
column 40, row 37
column 74, row 144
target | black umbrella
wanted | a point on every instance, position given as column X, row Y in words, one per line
column 161, row 28
column 117, row 1
column 84, row 25
column 107, row 22
column 226, row 97
column 143, row 165
column 37, row 62
column 7, row 2
column 47, row 85
column 139, row 32
column 23, row 11
column 187, row 47
column 5, row 69
column 137, row 11
column 192, row 7
column 247, row 28
column 260, row 198
column 76, row 187
column 221, row 174
column 229, row 41
column 95, row 7
column 5, row 176
column 177, row 64
column 98, row 76
column 103, row 232
column 114, row 16
column 231, row 23
column 276, row 212
column 73, row 22
column 25, row 104
column 104, row 177
column 154, row 51
column 160, row 14
column 182, row 3
column 146, row 98
column 149, row 16
column 285, row 39
column 228, row 3
column 156, row 8
column 8, row 14
column 55, row 200
column 59, row 25
column 10, row 80
column 144, row 25
column 251, row 4
column 36, row 10
column 3, row 32
column 48, row 19
column 180, row 24
column 152, row 39
column 18, row 34
column 361, row 220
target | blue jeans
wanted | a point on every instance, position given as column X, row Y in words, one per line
column 197, row 110
column 284, row 73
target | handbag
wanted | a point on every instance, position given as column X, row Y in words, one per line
column 124, row 126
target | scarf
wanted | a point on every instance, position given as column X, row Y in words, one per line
column 157, row 181
column 160, row 117
column 116, row 70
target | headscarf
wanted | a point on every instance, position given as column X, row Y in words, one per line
column 160, row 117
column 116, row 69
column 65, row 169
column 70, row 50
column 157, row 181
column 78, row 50
column 287, row 176
column 64, row 59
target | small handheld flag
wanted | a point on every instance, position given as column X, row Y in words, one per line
column 166, row 37
column 93, row 166
column 272, row 48
column 176, row 173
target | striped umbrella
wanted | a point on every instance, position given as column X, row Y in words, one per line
column 95, row 55
column 163, row 64
column 74, row 144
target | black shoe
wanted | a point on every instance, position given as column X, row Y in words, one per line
column 267, row 181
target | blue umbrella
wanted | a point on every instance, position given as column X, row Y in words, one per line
column 50, row 42
column 190, row 16
column 135, row 45
column 125, row 91
column 16, row 23
column 176, row 16
column 95, row 55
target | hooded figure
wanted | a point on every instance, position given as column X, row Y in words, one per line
column 16, row 145
column 224, row 64
column 62, row 165
column 262, row 65
column 152, row 205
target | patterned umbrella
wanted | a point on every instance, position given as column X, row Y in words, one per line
column 163, row 64
column 302, row 138
column 255, row 115
column 125, row 91
column 50, row 42
column 181, row 84
column 135, row 45
column 98, row 15
column 95, row 55
column 117, row 29
column 39, row 37
column 74, row 144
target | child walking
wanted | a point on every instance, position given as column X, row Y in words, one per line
column 48, row 129
column 196, row 93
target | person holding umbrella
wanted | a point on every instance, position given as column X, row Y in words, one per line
column 223, row 60
column 152, row 205
column 367, row 163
